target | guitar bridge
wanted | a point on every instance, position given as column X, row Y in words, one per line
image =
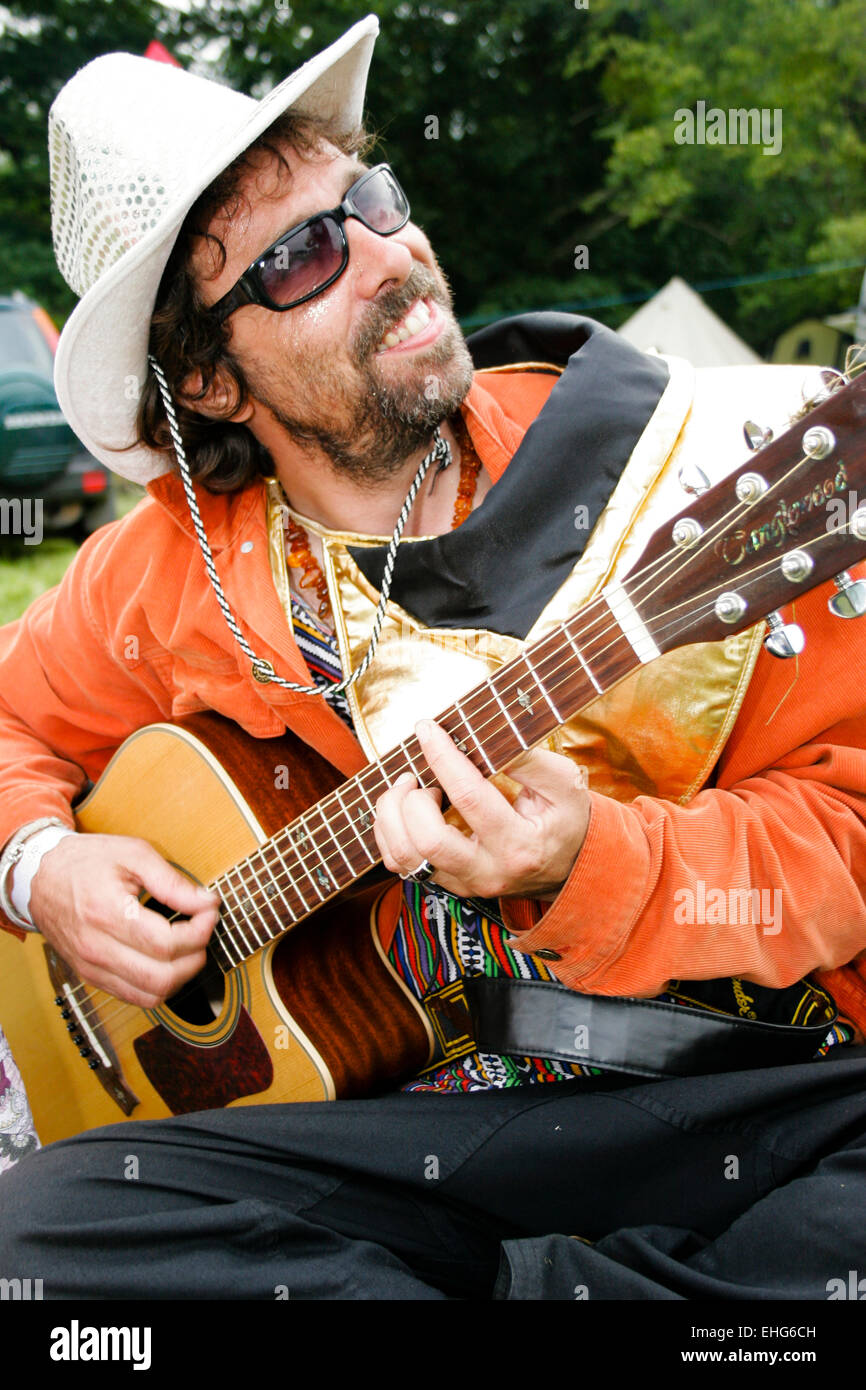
column 87, row 1033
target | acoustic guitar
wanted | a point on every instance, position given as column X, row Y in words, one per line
column 298, row 1000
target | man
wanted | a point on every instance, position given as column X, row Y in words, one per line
column 303, row 328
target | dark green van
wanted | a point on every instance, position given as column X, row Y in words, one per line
column 44, row 468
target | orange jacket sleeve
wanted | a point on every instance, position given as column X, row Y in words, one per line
column 62, row 689
column 779, row 841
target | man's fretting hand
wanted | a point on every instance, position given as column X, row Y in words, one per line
column 84, row 900
column 524, row 849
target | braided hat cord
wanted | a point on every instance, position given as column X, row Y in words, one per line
column 262, row 670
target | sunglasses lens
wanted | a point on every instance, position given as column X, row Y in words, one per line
column 302, row 263
column 381, row 203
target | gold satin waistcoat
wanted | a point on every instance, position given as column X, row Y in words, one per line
column 660, row 731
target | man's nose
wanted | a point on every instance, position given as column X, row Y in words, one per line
column 376, row 260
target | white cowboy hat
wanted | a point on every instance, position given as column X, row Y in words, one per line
column 132, row 144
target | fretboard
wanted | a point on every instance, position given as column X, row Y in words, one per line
column 332, row 844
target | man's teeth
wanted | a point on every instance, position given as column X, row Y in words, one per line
column 417, row 318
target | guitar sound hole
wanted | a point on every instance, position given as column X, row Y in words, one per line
column 200, row 1000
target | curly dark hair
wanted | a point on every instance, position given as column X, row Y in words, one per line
column 184, row 338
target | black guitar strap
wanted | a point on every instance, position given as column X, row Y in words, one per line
column 644, row 1037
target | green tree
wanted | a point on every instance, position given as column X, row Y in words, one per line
column 732, row 210
column 41, row 46
column 524, row 130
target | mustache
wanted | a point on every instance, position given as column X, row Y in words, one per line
column 392, row 305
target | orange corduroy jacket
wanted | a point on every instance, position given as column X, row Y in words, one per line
column 134, row 635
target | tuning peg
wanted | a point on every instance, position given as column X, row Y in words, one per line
column 818, row 442
column 855, row 359
column 756, row 437
column 693, row 479
column 850, row 601
column 783, row 639
column 832, row 378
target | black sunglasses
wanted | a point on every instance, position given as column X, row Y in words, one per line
column 309, row 257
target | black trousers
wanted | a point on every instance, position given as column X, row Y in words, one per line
column 738, row 1186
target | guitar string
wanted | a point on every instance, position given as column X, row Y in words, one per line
column 653, row 571
column 343, row 803
column 123, row 1007
column 643, row 578
column 338, row 803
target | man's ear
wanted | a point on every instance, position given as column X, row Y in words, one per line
column 218, row 401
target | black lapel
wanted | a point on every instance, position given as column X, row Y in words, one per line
column 501, row 567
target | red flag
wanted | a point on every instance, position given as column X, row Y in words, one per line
column 160, row 54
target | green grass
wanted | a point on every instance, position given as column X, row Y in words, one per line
column 26, row 571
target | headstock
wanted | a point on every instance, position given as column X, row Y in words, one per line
column 786, row 521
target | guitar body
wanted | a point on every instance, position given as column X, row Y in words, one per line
column 316, row 1014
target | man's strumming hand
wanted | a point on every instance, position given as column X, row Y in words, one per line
column 522, row 849
column 84, row 900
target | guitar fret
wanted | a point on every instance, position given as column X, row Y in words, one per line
column 289, row 875
column 222, row 944
column 305, row 837
column 540, row 684
column 518, row 735
column 324, row 875
column 356, row 833
column 237, row 924
column 267, row 896
column 251, row 898
column 335, row 834
column 223, row 932
column 370, row 814
column 279, row 892
column 576, row 649
column 411, row 761
column 471, row 731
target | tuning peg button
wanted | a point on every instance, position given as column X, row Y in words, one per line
column 797, row 565
column 784, row 639
column 686, row 532
column 818, row 442
column 730, row 607
column 850, row 601
column 750, row 486
column 693, row 479
column 755, row 436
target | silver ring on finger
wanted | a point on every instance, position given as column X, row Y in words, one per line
column 423, row 872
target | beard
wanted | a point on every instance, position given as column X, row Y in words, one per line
column 364, row 424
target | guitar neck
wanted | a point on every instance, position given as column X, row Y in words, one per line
column 332, row 844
